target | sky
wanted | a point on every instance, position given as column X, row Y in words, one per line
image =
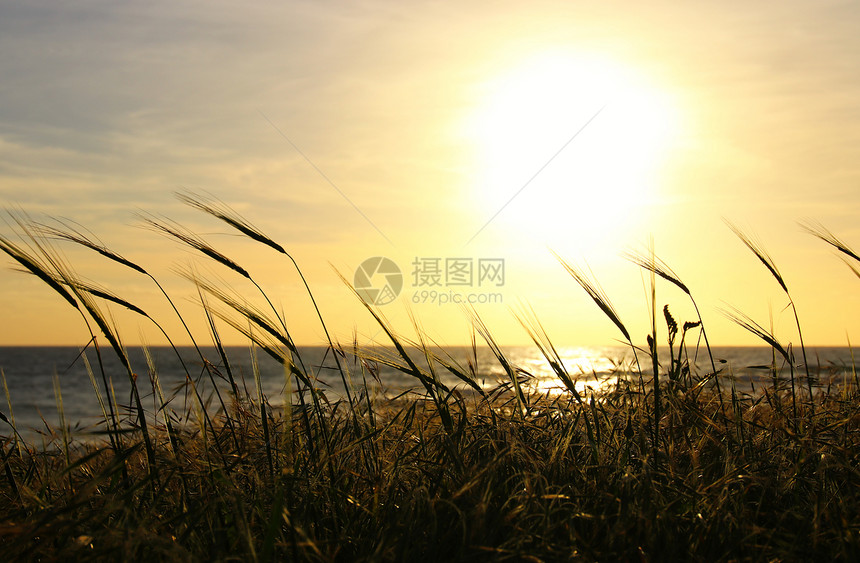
column 473, row 145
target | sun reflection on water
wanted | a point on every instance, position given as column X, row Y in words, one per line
column 592, row 370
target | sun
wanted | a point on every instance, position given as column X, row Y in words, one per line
column 569, row 145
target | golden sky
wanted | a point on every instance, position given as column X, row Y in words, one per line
column 449, row 135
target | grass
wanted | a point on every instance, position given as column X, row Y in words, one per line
column 664, row 466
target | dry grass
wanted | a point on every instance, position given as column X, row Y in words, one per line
column 462, row 473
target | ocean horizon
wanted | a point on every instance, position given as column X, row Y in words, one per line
column 30, row 375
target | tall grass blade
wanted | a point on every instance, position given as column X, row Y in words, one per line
column 64, row 428
column 760, row 253
column 819, row 231
column 37, row 269
column 537, row 333
column 92, row 377
column 75, row 235
column 18, row 442
column 652, row 346
column 185, row 236
column 50, row 271
column 224, row 213
column 756, row 329
column 597, row 295
column 765, row 259
column 593, row 289
column 412, row 368
column 264, row 416
column 510, row 370
column 657, row 266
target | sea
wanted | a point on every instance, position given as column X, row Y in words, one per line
column 47, row 388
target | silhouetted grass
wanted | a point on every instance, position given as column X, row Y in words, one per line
column 654, row 468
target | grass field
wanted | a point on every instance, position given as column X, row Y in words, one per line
column 671, row 464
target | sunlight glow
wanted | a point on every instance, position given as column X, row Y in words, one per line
column 602, row 177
